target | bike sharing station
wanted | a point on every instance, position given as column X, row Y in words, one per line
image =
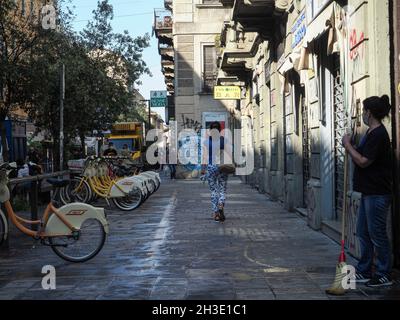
column 74, row 224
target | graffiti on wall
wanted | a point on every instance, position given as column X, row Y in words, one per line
column 357, row 54
column 189, row 170
column 191, row 124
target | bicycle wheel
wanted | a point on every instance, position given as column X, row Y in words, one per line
column 85, row 246
column 158, row 184
column 79, row 189
column 153, row 186
column 130, row 202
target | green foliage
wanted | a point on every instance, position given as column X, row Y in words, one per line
column 101, row 70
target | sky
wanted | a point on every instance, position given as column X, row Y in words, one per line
column 137, row 17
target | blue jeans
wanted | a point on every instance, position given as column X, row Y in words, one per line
column 372, row 234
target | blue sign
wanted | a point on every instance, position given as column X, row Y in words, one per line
column 299, row 30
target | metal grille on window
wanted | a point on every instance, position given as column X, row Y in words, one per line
column 340, row 130
column 306, row 149
column 210, row 68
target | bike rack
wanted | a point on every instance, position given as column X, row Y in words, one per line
column 33, row 193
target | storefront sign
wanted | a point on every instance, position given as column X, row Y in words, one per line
column 227, row 93
column 314, row 8
column 299, row 29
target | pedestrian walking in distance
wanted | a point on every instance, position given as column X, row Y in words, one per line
column 217, row 180
column 373, row 179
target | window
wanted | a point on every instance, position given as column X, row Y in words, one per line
column 255, row 94
column 211, row 2
column 209, row 68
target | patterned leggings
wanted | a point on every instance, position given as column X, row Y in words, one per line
column 217, row 182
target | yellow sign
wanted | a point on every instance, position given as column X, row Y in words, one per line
column 226, row 93
column 399, row 88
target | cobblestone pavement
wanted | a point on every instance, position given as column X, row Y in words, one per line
column 170, row 248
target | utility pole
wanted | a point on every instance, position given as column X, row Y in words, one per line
column 62, row 97
column 148, row 102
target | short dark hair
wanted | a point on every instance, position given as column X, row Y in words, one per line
column 378, row 106
column 215, row 125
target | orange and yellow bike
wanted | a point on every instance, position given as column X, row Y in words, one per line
column 76, row 231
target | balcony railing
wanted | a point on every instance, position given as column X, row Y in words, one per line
column 162, row 19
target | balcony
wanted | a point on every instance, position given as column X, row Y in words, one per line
column 255, row 16
column 168, row 68
column 237, row 47
column 163, row 23
column 166, row 53
column 224, row 79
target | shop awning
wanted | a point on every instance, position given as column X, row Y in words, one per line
column 292, row 61
column 320, row 24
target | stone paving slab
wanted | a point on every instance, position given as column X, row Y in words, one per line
column 170, row 248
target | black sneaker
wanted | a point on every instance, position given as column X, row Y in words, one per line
column 221, row 214
column 383, row 281
column 361, row 279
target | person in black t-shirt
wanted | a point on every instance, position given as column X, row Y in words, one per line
column 373, row 179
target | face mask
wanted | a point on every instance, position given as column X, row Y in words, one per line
column 366, row 119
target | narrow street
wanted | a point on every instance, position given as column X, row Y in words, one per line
column 170, row 248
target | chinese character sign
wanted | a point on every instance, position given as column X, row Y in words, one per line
column 226, row 93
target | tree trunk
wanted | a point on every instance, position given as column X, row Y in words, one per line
column 3, row 134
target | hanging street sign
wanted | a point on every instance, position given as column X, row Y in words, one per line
column 227, row 93
column 158, row 99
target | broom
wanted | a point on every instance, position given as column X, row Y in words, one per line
column 337, row 288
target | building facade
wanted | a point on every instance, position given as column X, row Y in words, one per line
column 187, row 31
column 304, row 68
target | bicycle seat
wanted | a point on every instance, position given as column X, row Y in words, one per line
column 58, row 183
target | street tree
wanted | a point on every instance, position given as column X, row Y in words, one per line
column 102, row 69
column 19, row 33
